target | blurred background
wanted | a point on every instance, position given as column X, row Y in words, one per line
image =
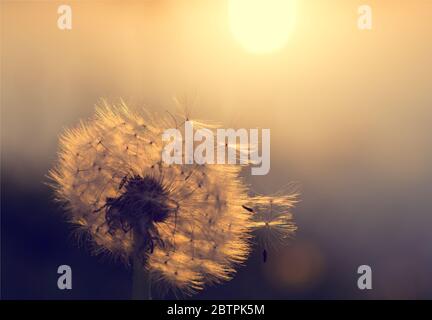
column 350, row 114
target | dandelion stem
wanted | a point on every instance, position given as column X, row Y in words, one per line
column 141, row 279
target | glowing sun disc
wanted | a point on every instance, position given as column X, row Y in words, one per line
column 261, row 26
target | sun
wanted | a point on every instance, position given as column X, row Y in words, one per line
column 261, row 26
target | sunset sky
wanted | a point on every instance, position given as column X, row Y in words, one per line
column 350, row 114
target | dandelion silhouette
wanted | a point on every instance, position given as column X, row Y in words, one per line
column 182, row 226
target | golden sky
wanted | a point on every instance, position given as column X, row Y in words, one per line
column 330, row 90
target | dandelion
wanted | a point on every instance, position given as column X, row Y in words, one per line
column 184, row 226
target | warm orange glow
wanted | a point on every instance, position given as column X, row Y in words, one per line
column 261, row 26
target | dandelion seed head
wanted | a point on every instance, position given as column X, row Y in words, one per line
column 111, row 178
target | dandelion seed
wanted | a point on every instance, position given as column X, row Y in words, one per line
column 188, row 225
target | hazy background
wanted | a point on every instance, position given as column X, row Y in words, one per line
column 350, row 114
